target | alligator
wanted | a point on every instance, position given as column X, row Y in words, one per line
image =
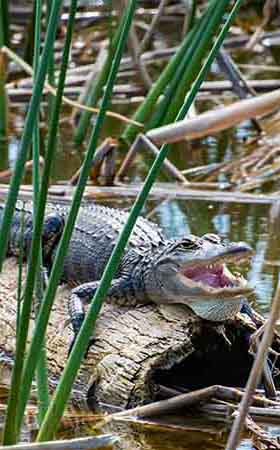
column 191, row 270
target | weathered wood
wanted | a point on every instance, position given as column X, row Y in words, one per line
column 85, row 443
column 216, row 120
column 62, row 193
column 135, row 349
column 129, row 342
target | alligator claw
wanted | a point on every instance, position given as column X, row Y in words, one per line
column 91, row 342
column 71, row 345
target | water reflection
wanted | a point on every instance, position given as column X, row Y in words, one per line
column 255, row 224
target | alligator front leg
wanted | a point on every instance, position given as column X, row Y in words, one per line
column 121, row 291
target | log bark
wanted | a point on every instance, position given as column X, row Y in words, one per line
column 135, row 349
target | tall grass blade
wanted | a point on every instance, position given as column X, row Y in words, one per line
column 63, row 389
column 184, row 67
column 145, row 110
column 42, row 368
column 5, row 22
column 44, row 313
column 20, row 267
column 28, row 129
column 4, row 38
column 43, row 317
column 50, row 151
column 95, row 90
column 205, row 39
column 51, row 69
column 10, row 428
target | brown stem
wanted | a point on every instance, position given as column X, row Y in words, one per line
column 255, row 374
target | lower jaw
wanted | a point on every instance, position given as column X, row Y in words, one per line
column 216, row 310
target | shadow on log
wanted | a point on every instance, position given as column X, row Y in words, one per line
column 136, row 350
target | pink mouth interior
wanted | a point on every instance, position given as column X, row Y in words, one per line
column 213, row 277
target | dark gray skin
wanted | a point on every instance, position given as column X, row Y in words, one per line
column 189, row 271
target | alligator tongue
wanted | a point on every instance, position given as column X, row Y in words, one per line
column 212, row 276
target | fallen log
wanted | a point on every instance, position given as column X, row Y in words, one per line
column 136, row 349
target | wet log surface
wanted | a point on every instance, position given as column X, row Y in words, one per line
column 136, row 349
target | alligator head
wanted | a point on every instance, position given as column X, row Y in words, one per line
column 194, row 271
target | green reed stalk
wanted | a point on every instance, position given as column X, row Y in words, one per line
column 51, row 69
column 147, row 107
column 64, row 387
column 36, row 131
column 185, row 66
column 20, row 267
column 5, row 22
column 27, row 132
column 144, row 111
column 10, row 428
column 42, row 367
column 95, row 89
column 205, row 38
column 55, row 275
column 3, row 68
column 50, row 151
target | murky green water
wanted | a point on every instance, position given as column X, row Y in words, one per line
column 255, row 224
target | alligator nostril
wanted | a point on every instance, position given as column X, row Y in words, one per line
column 211, row 237
column 241, row 247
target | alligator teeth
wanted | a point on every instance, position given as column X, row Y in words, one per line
column 237, row 274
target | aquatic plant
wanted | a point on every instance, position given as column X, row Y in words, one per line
column 24, row 369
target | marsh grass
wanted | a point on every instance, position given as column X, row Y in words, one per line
column 42, row 367
column 26, row 364
column 185, row 64
column 94, row 92
column 4, row 40
column 10, row 429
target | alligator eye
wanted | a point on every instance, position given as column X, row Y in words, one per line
column 187, row 244
column 211, row 237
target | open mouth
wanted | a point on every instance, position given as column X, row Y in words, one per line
column 215, row 278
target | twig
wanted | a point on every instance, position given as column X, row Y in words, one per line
column 239, row 82
column 106, row 147
column 66, row 100
column 268, row 382
column 268, row 8
column 129, row 157
column 255, row 373
column 216, row 120
column 159, row 190
column 69, row 444
column 171, row 405
column 228, row 394
column 136, row 55
column 134, row 48
column 168, row 166
column 100, row 60
column 5, row 175
column 142, row 140
column 261, row 437
column 148, row 35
